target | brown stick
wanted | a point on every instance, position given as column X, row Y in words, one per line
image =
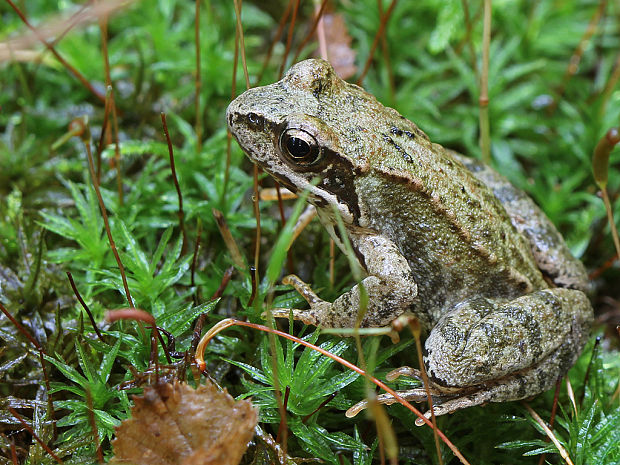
column 104, row 214
column 34, row 435
column 373, row 47
column 93, row 425
column 197, row 80
column 289, row 37
column 192, row 281
column 84, row 306
column 111, row 102
column 64, row 62
column 483, row 100
column 315, row 23
column 575, row 59
column 176, row 183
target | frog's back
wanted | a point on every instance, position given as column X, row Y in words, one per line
column 456, row 235
column 551, row 253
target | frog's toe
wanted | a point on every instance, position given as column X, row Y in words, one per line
column 307, row 317
column 411, row 395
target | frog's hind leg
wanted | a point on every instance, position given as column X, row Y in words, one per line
column 486, row 351
column 509, row 350
column 520, row 385
column 513, row 387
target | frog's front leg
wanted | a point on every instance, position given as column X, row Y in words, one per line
column 390, row 287
column 487, row 351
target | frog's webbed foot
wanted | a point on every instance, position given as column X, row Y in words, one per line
column 443, row 403
column 443, row 398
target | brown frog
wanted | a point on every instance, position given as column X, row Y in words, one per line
column 440, row 236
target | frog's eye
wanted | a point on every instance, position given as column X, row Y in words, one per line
column 300, row 147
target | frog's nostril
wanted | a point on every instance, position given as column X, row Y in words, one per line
column 255, row 121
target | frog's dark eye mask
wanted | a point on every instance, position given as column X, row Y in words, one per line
column 300, row 148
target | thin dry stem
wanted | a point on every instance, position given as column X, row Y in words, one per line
column 34, row 435
column 586, row 377
column 289, row 37
column 104, row 129
column 554, row 408
column 84, row 306
column 229, row 240
column 51, row 48
column 388, row 443
column 56, row 27
column 414, row 326
column 321, row 405
column 35, row 343
column 549, row 434
column 468, row 35
column 197, row 80
column 175, row 180
column 610, row 219
column 140, row 315
column 275, row 40
column 386, row 56
column 575, row 59
column 313, row 28
column 93, row 425
column 200, row 321
column 483, row 101
column 195, row 261
column 241, row 42
column 117, row 151
column 104, row 214
column 378, row 35
column 253, row 278
column 257, row 216
column 110, row 104
column 610, row 86
column 233, row 93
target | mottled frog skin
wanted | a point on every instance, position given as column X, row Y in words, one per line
column 440, row 236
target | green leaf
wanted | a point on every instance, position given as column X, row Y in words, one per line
column 108, row 360
column 313, row 440
column 69, row 372
column 448, row 21
column 255, row 373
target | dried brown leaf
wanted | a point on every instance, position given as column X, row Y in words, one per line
column 176, row 424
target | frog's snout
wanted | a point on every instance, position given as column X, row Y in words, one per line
column 232, row 114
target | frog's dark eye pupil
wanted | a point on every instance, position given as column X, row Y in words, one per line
column 299, row 148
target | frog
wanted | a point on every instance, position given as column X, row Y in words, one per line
column 440, row 237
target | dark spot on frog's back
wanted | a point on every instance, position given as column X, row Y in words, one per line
column 402, row 132
column 318, row 89
column 396, row 131
column 406, row 156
